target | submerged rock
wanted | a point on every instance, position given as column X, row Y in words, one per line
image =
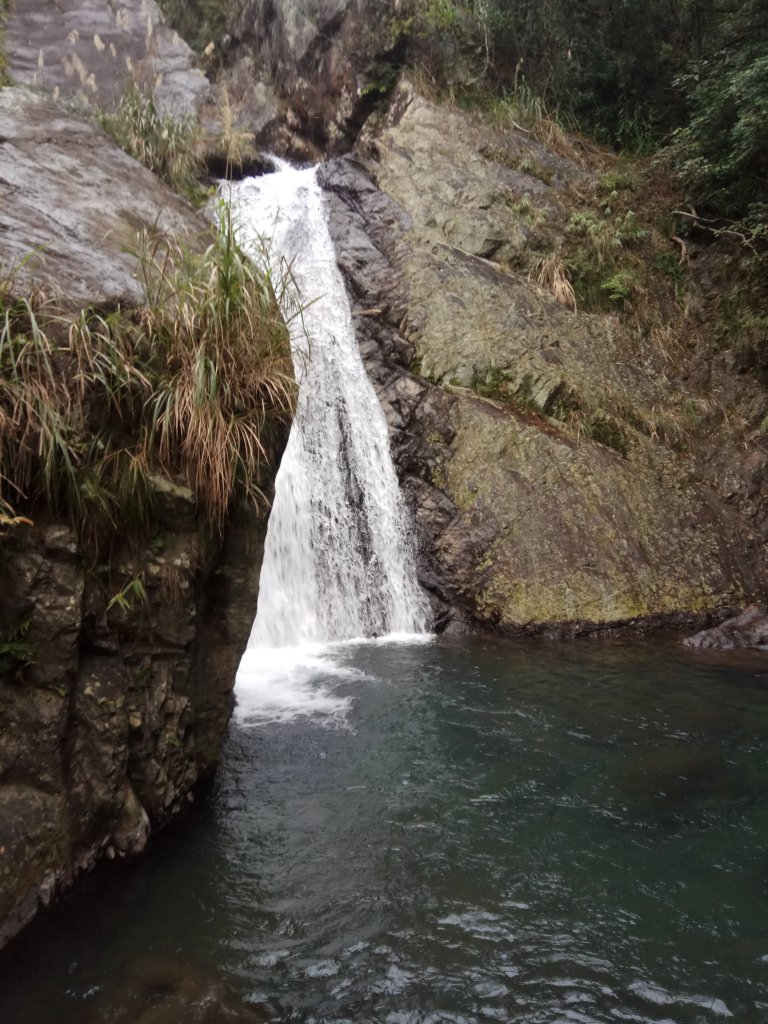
column 168, row 990
column 749, row 629
column 672, row 777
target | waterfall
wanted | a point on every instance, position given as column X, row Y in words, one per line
column 337, row 561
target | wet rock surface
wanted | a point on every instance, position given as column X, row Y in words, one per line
column 521, row 525
column 749, row 629
column 118, row 715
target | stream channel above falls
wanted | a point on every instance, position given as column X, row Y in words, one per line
column 458, row 831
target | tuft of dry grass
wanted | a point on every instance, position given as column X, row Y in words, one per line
column 215, row 319
column 237, row 143
column 551, row 273
column 197, row 385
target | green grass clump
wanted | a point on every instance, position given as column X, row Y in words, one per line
column 602, row 276
column 168, row 146
column 196, row 385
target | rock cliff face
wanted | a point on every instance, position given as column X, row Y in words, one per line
column 524, row 525
column 326, row 62
column 118, row 716
column 112, row 706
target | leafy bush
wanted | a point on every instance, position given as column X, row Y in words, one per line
column 602, row 277
column 722, row 152
column 606, row 234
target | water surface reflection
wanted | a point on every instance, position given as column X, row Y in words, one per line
column 496, row 831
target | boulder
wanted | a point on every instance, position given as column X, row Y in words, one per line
column 748, row 629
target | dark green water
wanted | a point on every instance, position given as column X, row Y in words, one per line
column 501, row 832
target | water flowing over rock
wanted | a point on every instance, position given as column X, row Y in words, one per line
column 337, row 561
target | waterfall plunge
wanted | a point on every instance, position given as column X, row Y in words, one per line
column 337, row 562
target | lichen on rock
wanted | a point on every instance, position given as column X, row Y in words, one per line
column 542, row 499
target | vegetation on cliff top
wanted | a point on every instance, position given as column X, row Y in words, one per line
column 693, row 74
column 196, row 385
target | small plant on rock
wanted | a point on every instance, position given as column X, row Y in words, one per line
column 166, row 145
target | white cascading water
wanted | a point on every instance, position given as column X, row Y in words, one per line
column 337, row 562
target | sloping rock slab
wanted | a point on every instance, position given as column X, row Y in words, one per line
column 72, row 204
column 90, row 49
column 749, row 629
column 521, row 527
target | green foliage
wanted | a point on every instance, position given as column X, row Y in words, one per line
column 629, row 74
column 15, row 649
column 600, row 274
column 608, row 233
column 741, row 326
column 621, row 286
column 722, row 152
column 131, row 594
column 444, row 15
column 196, row 384
column 167, row 146
column 610, row 65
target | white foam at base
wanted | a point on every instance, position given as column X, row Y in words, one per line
column 281, row 684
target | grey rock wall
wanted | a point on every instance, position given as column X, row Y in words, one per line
column 87, row 50
column 523, row 525
column 327, row 61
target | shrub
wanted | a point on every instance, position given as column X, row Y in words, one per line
column 197, row 384
column 722, row 154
